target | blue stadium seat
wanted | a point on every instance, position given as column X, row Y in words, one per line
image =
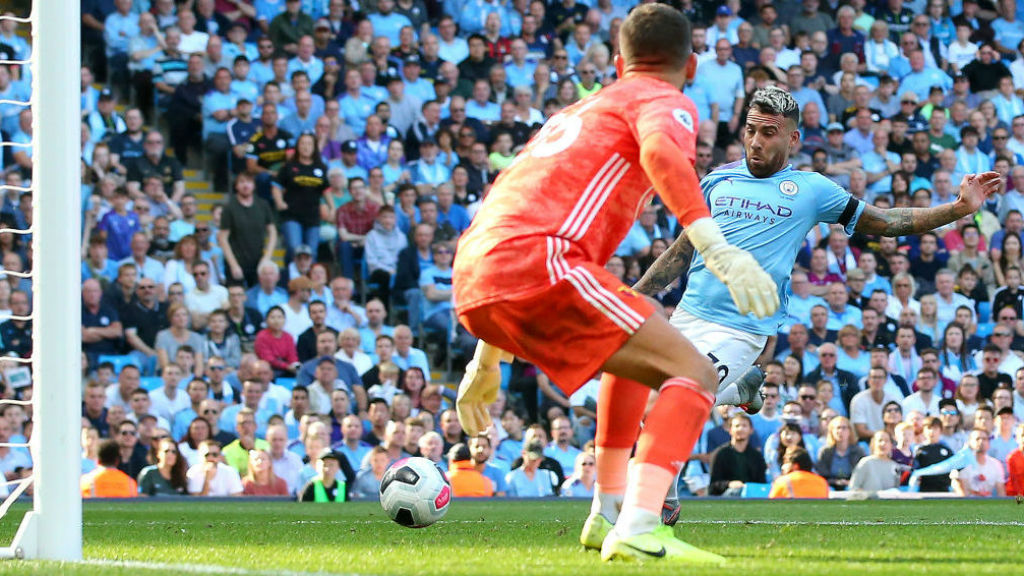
column 985, row 329
column 984, row 311
column 288, row 383
column 755, row 490
column 151, row 383
column 119, row 361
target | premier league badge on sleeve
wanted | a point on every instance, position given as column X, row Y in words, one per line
column 684, row 118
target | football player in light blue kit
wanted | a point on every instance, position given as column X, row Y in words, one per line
column 764, row 206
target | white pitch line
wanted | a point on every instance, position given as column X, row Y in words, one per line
column 952, row 523
column 203, row 568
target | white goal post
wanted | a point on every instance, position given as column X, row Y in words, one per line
column 52, row 529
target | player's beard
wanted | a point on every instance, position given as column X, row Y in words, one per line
column 762, row 166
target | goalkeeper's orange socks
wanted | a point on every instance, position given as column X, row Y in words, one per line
column 620, row 408
column 671, row 429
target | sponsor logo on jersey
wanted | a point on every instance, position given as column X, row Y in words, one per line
column 748, row 209
column 684, row 118
column 788, row 187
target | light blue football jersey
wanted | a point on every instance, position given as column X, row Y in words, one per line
column 768, row 217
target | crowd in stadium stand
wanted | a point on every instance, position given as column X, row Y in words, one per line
column 362, row 137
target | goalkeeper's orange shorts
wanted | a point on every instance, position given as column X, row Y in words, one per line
column 568, row 329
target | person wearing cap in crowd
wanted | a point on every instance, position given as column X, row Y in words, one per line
column 842, row 158
column 350, row 162
column 416, row 87
column 325, row 486
column 725, row 26
column 530, row 480
column 104, row 122
column 425, row 128
column 466, row 480
column 428, row 172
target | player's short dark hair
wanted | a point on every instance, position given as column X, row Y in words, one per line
column 656, row 34
column 800, row 457
column 777, row 102
column 109, row 454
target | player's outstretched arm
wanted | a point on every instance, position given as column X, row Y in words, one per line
column 974, row 190
column 479, row 387
column 669, row 266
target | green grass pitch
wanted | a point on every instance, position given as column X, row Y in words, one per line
column 538, row 538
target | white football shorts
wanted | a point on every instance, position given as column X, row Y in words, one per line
column 732, row 351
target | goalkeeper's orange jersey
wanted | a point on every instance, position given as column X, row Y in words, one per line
column 575, row 190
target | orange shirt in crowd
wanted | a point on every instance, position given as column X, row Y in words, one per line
column 467, row 482
column 108, row 483
column 799, row 484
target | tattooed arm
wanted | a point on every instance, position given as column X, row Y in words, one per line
column 974, row 190
column 669, row 266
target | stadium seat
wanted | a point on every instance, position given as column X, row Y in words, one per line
column 288, row 383
column 985, row 329
column 984, row 312
column 150, row 383
column 119, row 361
column 755, row 490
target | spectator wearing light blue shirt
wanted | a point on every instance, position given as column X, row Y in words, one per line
column 453, row 48
column 560, row 447
column 448, row 211
column 218, row 109
column 480, row 106
column 355, row 105
column 1008, row 104
column 303, row 119
column 1009, row 32
column 235, row 44
column 921, row 79
column 416, row 87
column 879, row 163
column 969, row 158
column 802, row 94
column 388, row 23
column 267, row 10
column 473, row 15
column 118, row 30
column 723, row 80
column 428, row 169
column 530, row 480
column 261, row 68
column 840, row 311
column 860, row 137
column 305, row 60
column 241, row 86
column 519, row 70
column 578, row 46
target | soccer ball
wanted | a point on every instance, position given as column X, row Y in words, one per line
column 415, row 492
